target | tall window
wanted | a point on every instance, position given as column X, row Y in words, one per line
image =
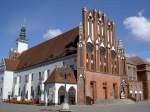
column 39, row 90
column 48, row 72
column 108, row 35
column 32, row 76
column 20, row 79
column 102, row 31
column 26, row 78
column 32, row 91
column 40, row 76
column 148, row 76
column 92, row 63
column 1, row 91
column 111, row 40
column 2, row 79
column 19, row 92
column 43, row 75
column 132, row 73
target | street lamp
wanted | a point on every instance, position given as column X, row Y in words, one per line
column 65, row 70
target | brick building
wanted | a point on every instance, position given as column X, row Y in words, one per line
column 101, row 62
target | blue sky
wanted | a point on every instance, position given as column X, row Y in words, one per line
column 50, row 17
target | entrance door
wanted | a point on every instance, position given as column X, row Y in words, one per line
column 62, row 97
column 71, row 95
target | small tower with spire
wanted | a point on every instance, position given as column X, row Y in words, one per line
column 21, row 42
column 121, row 60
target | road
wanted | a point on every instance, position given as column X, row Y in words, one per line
column 137, row 107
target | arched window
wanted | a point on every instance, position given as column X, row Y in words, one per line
column 61, row 95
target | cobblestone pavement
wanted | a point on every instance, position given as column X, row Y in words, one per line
column 137, row 107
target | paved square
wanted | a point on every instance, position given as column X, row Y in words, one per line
column 138, row 107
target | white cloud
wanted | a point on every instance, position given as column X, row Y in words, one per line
column 52, row 33
column 148, row 59
column 140, row 13
column 139, row 26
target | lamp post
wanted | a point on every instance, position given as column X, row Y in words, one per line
column 65, row 70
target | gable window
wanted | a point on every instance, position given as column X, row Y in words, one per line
column 72, row 66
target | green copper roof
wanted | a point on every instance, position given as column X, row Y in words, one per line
column 22, row 35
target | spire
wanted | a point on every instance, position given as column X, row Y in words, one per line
column 22, row 35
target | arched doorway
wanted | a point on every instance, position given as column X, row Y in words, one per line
column 61, row 95
column 71, row 95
